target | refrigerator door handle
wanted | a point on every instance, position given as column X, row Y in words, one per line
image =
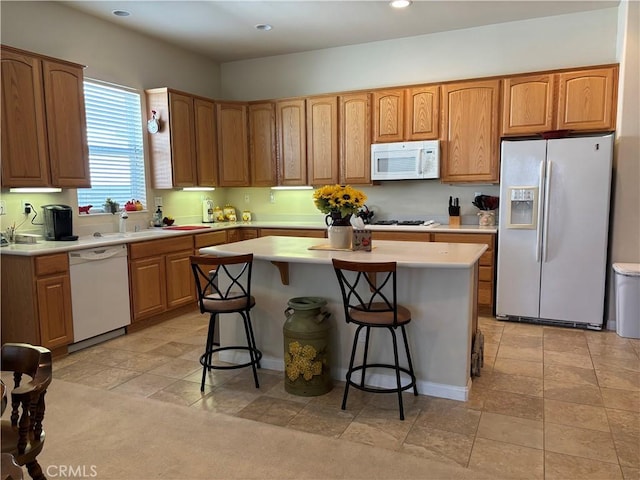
column 539, row 226
column 545, row 239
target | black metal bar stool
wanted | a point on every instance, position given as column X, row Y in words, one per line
column 224, row 286
column 369, row 300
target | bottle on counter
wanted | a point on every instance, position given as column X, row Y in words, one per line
column 157, row 217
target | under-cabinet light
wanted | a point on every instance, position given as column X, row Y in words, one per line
column 293, row 187
column 400, row 3
column 198, row 189
column 35, row 190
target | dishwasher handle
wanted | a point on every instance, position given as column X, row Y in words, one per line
column 95, row 254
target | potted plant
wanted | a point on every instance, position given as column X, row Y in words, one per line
column 339, row 203
column 111, row 206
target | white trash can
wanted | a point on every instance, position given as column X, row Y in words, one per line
column 627, row 299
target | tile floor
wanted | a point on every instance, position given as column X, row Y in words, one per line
column 552, row 403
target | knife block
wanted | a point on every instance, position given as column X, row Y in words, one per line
column 454, row 221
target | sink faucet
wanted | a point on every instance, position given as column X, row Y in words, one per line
column 123, row 222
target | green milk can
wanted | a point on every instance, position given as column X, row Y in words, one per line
column 306, row 347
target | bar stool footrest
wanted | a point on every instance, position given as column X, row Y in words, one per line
column 406, row 371
column 257, row 354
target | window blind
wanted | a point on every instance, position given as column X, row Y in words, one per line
column 114, row 135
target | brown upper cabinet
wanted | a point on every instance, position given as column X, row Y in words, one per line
column 470, row 134
column 292, row 144
column 587, row 99
column 44, row 136
column 406, row 114
column 388, row 115
column 527, row 104
column 183, row 151
column 322, row 140
column 262, row 144
column 422, row 107
column 233, row 144
column 355, row 138
column 578, row 100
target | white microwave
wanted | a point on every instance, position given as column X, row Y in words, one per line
column 405, row 160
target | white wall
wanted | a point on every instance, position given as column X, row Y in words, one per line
column 625, row 221
column 111, row 53
column 545, row 43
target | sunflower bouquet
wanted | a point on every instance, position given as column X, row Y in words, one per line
column 334, row 199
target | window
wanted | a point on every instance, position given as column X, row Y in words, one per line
column 114, row 134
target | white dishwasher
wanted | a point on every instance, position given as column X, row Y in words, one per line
column 99, row 294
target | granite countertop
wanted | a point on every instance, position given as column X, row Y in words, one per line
column 406, row 254
column 45, row 247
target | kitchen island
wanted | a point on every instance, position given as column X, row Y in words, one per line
column 436, row 281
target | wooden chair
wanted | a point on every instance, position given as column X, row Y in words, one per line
column 23, row 435
column 224, row 286
column 369, row 300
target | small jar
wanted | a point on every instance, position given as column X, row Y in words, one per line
column 246, row 216
column 487, row 218
column 218, row 214
column 228, row 211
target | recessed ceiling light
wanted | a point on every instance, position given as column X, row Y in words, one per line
column 121, row 13
column 400, row 3
column 265, row 27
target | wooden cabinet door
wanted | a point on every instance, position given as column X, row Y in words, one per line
column 388, row 115
column 292, row 144
column 233, row 145
column 66, row 125
column 587, row 98
column 148, row 287
column 470, row 131
column 181, row 289
column 422, row 107
column 262, row 144
column 183, row 149
column 527, row 104
column 292, row 232
column 25, row 156
column 355, row 138
column 55, row 314
column 486, row 270
column 205, row 142
column 322, row 140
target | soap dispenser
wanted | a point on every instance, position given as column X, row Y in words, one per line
column 157, row 217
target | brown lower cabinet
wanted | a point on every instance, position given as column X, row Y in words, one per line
column 292, row 232
column 160, row 277
column 486, row 271
column 36, row 300
column 401, row 236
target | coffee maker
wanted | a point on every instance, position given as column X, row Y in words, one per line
column 58, row 223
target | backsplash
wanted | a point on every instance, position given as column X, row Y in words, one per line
column 401, row 200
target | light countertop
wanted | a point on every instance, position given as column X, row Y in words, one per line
column 43, row 247
column 406, row 254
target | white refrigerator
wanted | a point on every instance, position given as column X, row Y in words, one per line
column 553, row 230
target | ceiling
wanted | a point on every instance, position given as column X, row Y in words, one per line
column 225, row 30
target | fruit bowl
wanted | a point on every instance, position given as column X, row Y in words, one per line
column 168, row 221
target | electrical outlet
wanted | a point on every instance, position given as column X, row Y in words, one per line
column 26, row 207
column 246, row 198
column 272, row 197
column 158, row 201
column 3, row 207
